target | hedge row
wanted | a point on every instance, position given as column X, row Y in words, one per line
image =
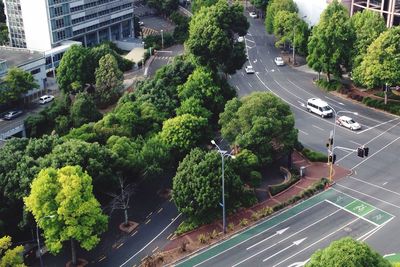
column 314, row 155
column 276, row 189
column 380, row 104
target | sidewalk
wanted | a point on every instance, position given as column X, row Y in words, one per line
column 313, row 173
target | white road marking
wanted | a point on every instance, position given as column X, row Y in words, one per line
column 286, row 238
column 249, row 40
column 316, row 242
column 260, row 60
column 216, row 255
column 361, row 193
column 382, row 133
column 380, row 124
column 271, row 236
column 355, row 214
column 374, row 185
column 250, row 85
column 179, row 215
column 319, row 128
column 304, row 90
column 303, row 132
column 237, row 87
column 287, row 90
column 351, row 141
column 295, row 243
column 331, row 99
column 376, row 153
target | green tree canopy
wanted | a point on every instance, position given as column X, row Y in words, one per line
column 184, row 132
column 367, row 25
column 72, row 73
column 197, row 185
column 347, row 252
column 193, row 106
column 84, row 110
column 67, row 195
column 211, row 35
column 274, row 6
column 15, row 83
column 10, row 257
column 381, row 62
column 260, row 122
column 197, row 4
column 165, row 7
column 330, row 41
column 109, row 80
column 260, row 4
column 4, row 40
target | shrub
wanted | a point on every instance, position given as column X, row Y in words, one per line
column 275, row 189
column 333, row 85
column 244, row 222
column 264, row 212
column 231, row 226
column 391, row 107
column 255, row 178
column 213, row 234
column 202, row 238
column 255, row 216
column 314, row 155
column 186, row 226
column 155, row 41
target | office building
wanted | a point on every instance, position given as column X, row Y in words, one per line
column 44, row 24
column 389, row 9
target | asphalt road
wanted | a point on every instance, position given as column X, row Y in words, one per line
column 371, row 195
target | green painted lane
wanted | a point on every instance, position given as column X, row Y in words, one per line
column 340, row 199
column 378, row 216
column 359, row 207
column 259, row 228
column 393, row 257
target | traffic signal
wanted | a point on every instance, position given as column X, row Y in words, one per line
column 330, row 142
column 332, row 159
column 366, row 151
column 360, row 152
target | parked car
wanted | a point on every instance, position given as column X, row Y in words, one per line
column 45, row 99
column 240, row 39
column 253, row 14
column 348, row 123
column 13, row 114
column 141, row 23
column 279, row 61
column 249, row 69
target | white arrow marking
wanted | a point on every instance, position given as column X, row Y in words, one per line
column 340, row 103
column 277, row 233
column 295, row 243
column 299, row 264
column 255, row 61
column 301, row 103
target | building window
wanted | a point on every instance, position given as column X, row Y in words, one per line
column 59, row 23
column 35, row 71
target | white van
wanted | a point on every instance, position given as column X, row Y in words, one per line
column 319, row 107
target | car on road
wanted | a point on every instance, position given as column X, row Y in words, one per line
column 348, row 123
column 279, row 61
column 253, row 14
column 319, row 107
column 249, row 69
column 141, row 23
column 46, row 99
column 240, row 39
column 13, row 114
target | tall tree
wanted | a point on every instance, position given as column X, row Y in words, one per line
column 16, row 83
column 4, row 40
column 381, row 62
column 274, row 6
column 211, row 35
column 109, row 80
column 184, row 132
column 67, row 195
column 347, row 252
column 84, row 110
column 72, row 72
column 367, row 27
column 260, row 122
column 197, row 4
column 10, row 257
column 260, row 4
column 197, row 185
column 330, row 41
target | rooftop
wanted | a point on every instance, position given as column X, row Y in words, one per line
column 18, row 56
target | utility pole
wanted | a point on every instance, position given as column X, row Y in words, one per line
column 386, row 90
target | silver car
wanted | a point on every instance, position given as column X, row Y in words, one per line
column 12, row 114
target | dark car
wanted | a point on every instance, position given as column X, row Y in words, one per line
column 12, row 114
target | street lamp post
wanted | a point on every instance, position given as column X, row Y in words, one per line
column 162, row 39
column 332, row 138
column 223, row 154
column 37, row 237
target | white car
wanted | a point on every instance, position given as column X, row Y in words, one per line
column 45, row 99
column 253, row 15
column 279, row 61
column 249, row 69
column 348, row 123
column 240, row 39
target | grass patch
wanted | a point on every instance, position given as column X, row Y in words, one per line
column 276, row 189
column 333, row 85
column 314, row 156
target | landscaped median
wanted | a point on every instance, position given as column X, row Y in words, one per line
column 206, row 235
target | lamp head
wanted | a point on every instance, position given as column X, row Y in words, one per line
column 233, row 157
column 213, row 142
